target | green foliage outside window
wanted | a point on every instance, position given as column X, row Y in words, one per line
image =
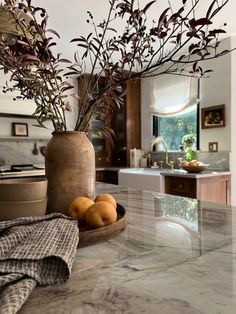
column 172, row 129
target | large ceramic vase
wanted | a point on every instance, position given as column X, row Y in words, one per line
column 70, row 169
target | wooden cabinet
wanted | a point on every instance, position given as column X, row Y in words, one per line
column 180, row 186
column 101, row 145
column 107, row 176
column 126, row 123
column 214, row 189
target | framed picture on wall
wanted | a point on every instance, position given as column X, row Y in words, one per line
column 213, row 117
column 19, row 129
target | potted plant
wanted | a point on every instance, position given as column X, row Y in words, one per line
column 190, row 154
column 176, row 39
column 188, row 140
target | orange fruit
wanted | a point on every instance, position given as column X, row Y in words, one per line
column 78, row 207
column 107, row 198
column 100, row 214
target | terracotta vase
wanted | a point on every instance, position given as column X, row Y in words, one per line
column 70, row 169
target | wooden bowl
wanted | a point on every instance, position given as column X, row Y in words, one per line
column 15, row 209
column 23, row 189
column 88, row 236
column 195, row 169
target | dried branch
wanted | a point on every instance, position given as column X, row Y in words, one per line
column 176, row 39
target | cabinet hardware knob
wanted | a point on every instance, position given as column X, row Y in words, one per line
column 181, row 186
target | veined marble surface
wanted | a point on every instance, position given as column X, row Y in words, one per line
column 177, row 255
column 218, row 161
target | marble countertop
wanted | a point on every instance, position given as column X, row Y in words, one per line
column 176, row 256
column 26, row 173
column 150, row 171
column 203, row 174
column 175, row 172
column 41, row 172
column 115, row 169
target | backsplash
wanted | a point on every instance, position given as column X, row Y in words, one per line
column 217, row 161
column 172, row 156
column 21, row 151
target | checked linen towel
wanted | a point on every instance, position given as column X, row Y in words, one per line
column 34, row 250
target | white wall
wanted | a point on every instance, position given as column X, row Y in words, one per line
column 69, row 17
column 8, row 105
column 216, row 90
column 233, row 124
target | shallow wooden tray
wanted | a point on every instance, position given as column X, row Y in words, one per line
column 195, row 169
column 89, row 236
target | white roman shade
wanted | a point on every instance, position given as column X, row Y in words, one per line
column 173, row 94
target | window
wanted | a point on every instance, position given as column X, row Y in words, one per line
column 173, row 128
column 175, row 108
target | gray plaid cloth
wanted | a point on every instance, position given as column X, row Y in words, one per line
column 34, row 250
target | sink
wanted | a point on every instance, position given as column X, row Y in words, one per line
column 140, row 169
column 142, row 179
column 145, row 178
column 155, row 171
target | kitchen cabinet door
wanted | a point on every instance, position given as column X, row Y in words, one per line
column 214, row 189
column 126, row 123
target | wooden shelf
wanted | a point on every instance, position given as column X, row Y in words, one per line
column 16, row 115
column 23, row 138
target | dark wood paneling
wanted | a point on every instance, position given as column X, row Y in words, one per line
column 107, row 176
column 133, row 116
column 126, row 123
column 180, row 186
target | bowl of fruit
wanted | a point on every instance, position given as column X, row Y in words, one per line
column 194, row 166
column 99, row 220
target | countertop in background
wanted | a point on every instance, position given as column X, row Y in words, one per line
column 176, row 172
column 203, row 174
column 115, row 169
column 18, row 171
column 151, row 171
column 177, row 255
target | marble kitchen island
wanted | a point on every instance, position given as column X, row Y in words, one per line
column 177, row 255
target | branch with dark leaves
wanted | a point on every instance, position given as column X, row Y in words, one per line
column 177, row 39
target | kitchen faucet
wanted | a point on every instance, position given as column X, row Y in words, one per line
column 159, row 140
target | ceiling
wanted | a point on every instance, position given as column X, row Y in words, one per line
column 69, row 17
